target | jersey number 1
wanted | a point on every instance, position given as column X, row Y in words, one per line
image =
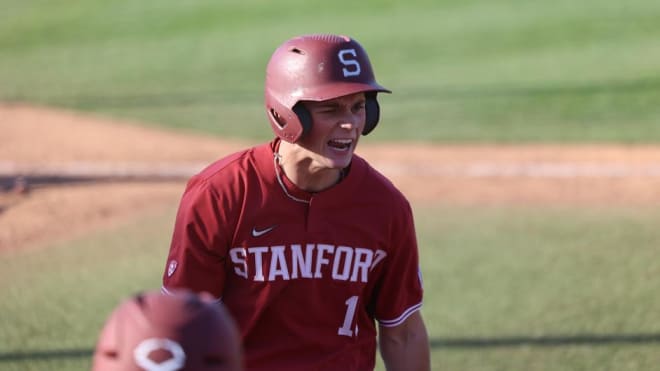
column 345, row 329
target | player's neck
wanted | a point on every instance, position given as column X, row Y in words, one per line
column 301, row 169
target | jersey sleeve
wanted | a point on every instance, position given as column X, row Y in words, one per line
column 198, row 249
column 400, row 291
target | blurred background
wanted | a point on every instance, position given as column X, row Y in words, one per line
column 471, row 70
column 508, row 287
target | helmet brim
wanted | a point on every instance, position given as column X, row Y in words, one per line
column 332, row 91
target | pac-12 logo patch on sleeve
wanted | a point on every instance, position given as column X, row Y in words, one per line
column 171, row 268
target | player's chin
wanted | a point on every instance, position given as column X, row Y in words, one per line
column 338, row 159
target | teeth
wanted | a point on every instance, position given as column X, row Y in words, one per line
column 341, row 143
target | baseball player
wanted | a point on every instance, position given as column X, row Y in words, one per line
column 156, row 332
column 311, row 249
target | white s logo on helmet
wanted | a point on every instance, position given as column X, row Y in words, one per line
column 144, row 349
column 352, row 66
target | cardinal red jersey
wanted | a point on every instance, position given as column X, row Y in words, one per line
column 306, row 275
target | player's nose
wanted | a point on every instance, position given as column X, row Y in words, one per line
column 350, row 121
column 347, row 125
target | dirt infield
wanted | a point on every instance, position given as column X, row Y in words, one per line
column 85, row 172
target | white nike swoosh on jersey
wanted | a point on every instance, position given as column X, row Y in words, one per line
column 257, row 233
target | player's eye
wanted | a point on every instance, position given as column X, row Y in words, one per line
column 358, row 107
column 326, row 109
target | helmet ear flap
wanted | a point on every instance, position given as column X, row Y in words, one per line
column 284, row 121
column 372, row 112
column 304, row 116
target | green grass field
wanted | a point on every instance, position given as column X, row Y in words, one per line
column 505, row 71
column 506, row 288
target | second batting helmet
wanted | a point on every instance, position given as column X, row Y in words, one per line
column 157, row 332
column 317, row 68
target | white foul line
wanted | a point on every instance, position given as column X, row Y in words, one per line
column 530, row 169
column 390, row 168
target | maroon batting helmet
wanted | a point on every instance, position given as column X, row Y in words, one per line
column 317, row 68
column 182, row 331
